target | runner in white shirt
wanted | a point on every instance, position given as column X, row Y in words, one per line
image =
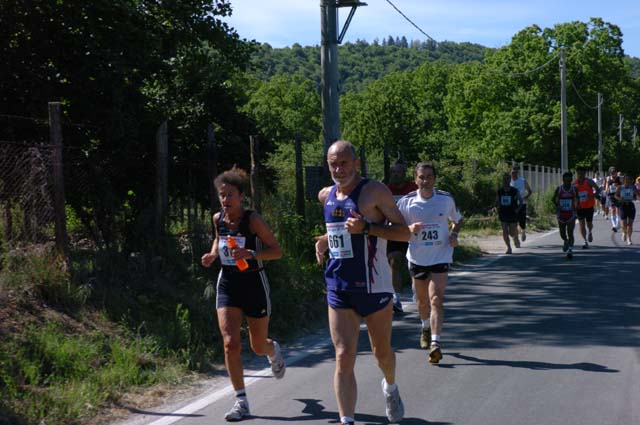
column 525, row 191
column 429, row 212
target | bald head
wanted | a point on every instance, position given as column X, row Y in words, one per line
column 342, row 146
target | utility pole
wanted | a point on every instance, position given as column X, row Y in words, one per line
column 620, row 121
column 329, row 64
column 564, row 149
column 600, row 134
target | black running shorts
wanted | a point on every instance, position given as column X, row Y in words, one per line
column 248, row 291
column 422, row 272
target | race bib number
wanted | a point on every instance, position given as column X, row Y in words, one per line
column 505, row 201
column 224, row 252
column 431, row 234
column 566, row 204
column 583, row 196
column 339, row 241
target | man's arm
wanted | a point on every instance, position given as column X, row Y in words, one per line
column 595, row 187
column 618, row 194
column 393, row 227
column 527, row 189
column 322, row 241
column 554, row 199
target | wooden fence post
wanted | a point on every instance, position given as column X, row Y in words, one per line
column 55, row 135
column 162, row 157
column 212, row 169
column 299, row 178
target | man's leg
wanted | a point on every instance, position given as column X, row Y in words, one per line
column 396, row 261
column 437, row 287
column 513, row 230
column 344, row 324
column 505, row 235
column 424, row 310
column 583, row 229
column 522, row 219
column 379, row 327
column 570, row 229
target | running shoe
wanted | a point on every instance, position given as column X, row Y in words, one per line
column 613, row 229
column 629, row 242
column 278, row 367
column 347, row 423
column 586, row 245
column 508, row 251
column 570, row 254
column 239, row 411
column 516, row 242
column 565, row 246
column 395, row 407
column 425, row 338
column 435, row 354
column 524, row 236
column 590, row 237
column 397, row 305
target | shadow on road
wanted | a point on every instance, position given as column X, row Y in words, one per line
column 314, row 410
column 541, row 298
column 524, row 364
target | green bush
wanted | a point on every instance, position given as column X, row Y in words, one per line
column 39, row 269
column 63, row 377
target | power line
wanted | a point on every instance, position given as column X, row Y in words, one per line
column 580, row 97
column 522, row 74
column 410, row 21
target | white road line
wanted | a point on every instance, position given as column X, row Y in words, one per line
column 293, row 357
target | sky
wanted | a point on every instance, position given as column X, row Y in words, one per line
column 492, row 23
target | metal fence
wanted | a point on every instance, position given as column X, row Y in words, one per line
column 26, row 193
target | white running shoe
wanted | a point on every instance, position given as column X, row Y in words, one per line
column 395, row 407
column 278, row 367
column 239, row 411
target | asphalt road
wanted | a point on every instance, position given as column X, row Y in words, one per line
column 529, row 339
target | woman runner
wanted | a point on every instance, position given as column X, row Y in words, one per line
column 242, row 292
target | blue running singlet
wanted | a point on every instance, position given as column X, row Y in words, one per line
column 356, row 263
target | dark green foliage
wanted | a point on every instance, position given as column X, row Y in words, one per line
column 360, row 63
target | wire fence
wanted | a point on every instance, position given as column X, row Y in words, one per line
column 26, row 193
column 28, row 205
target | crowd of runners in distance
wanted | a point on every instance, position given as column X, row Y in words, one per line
column 373, row 233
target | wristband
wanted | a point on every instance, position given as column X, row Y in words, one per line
column 367, row 227
column 253, row 253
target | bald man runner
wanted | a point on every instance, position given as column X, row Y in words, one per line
column 360, row 216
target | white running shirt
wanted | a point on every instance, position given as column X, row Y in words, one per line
column 519, row 184
column 431, row 245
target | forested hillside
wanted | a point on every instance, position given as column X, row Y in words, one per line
column 361, row 63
